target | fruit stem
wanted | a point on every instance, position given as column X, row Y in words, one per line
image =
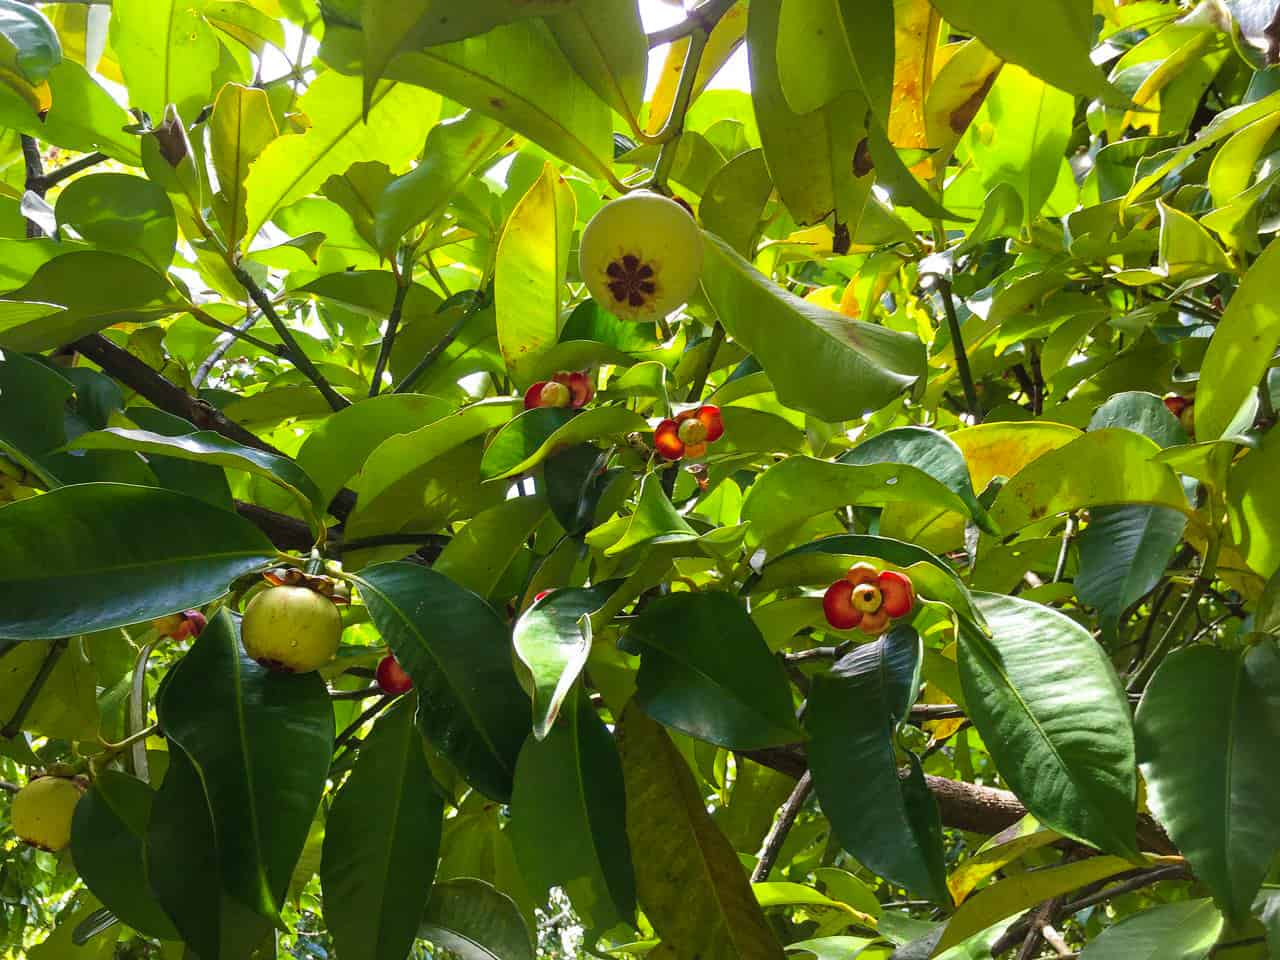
column 14, row 726
column 113, row 748
column 138, row 707
column 669, row 135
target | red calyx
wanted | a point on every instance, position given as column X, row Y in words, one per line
column 868, row 599
column 837, row 604
column 577, row 393
column 392, row 678
column 1176, row 404
column 898, row 592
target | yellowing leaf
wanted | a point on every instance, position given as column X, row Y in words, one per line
column 915, row 35
column 533, row 256
column 724, row 39
column 292, row 167
column 240, row 128
column 689, row 879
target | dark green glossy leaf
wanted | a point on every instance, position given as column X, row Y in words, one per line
column 567, row 818
column 1055, row 717
column 1123, row 553
column 888, row 824
column 471, row 708
column 124, row 554
column 820, row 362
column 476, row 922
column 1143, row 413
column 1206, row 732
column 261, row 742
column 531, row 437
column 205, row 446
column 927, row 450
column 32, row 397
column 481, row 552
column 183, row 870
column 107, row 838
column 376, row 882
column 203, row 480
column 707, row 672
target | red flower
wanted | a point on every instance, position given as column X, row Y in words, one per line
column 563, row 390
column 179, row 626
column 689, row 433
column 868, row 599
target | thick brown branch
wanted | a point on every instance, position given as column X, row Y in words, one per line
column 169, row 397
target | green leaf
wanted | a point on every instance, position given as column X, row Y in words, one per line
column 1253, row 506
column 107, row 838
column 261, row 741
column 655, row 521
column 1209, row 770
column 36, row 48
column 376, row 883
column 1052, row 40
column 889, row 825
column 1123, row 554
column 66, row 707
column 1169, row 931
column 83, row 116
column 476, row 922
column 734, row 200
column 1143, row 413
column 689, row 880
column 168, row 54
column 1241, row 347
column 96, row 289
column 818, row 179
column 567, row 818
column 552, row 640
column 532, row 436
column 481, row 551
column 829, row 47
column 205, row 446
column 533, row 257
column 1055, row 717
column 291, row 167
column 183, row 870
column 605, row 42
column 240, row 128
column 455, row 149
column 121, row 213
column 1016, row 893
column 1004, row 848
column 1020, row 135
column 202, row 480
column 470, row 709
column 934, row 453
column 706, row 671
column 820, row 362
column 124, row 555
column 32, row 399
column 1103, row 467
column 516, row 74
column 790, row 492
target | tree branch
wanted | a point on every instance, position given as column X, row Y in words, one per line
column 957, row 345
column 781, row 827
column 54, row 177
column 389, row 338
column 335, row 400
column 167, row 396
column 704, row 17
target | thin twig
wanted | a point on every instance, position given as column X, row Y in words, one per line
column 1067, row 534
column 238, row 332
column 54, row 177
column 781, row 827
column 389, row 338
column 705, row 16
column 354, row 727
column 957, row 345
column 412, row 377
column 335, row 400
column 14, row 726
column 35, row 178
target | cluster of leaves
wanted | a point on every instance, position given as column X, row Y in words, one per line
column 956, row 258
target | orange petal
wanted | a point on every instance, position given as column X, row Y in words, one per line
column 666, row 440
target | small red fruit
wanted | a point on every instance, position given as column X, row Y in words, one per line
column 1175, row 403
column 899, row 594
column 689, row 433
column 179, row 626
column 837, row 604
column 392, row 678
column 565, row 389
column 537, row 597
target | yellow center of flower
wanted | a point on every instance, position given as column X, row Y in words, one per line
column 867, row 598
column 555, row 394
column 693, row 431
